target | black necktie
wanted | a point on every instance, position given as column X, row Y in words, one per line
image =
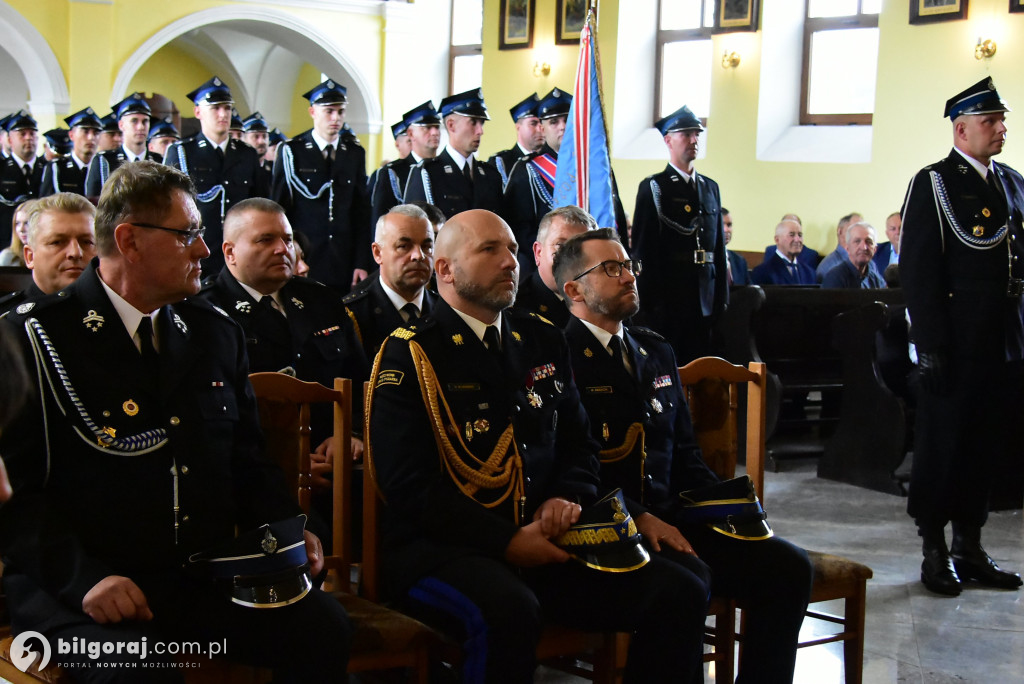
column 268, row 303
column 619, row 352
column 492, row 340
column 26, row 170
column 150, row 359
column 329, row 156
column 220, row 154
column 792, row 268
column 993, row 183
column 467, row 170
column 410, row 311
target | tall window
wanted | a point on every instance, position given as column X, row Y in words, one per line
column 465, row 58
column 683, row 65
column 840, row 62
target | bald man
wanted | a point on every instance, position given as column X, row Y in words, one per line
column 784, row 267
column 403, row 246
column 467, row 547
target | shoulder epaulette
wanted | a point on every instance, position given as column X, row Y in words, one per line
column 637, row 330
column 540, row 318
column 355, row 296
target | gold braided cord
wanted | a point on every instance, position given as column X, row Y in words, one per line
column 355, row 323
column 368, row 468
column 633, row 433
column 496, row 472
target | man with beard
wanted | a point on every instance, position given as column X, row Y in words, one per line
column 455, row 181
column 67, row 174
column 133, row 117
column 529, row 136
column 679, row 236
column 423, row 127
column 403, row 246
column 256, row 134
column 858, row 269
column 481, row 450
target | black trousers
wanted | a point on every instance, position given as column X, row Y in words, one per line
column 307, row 641
column 772, row 579
column 497, row 611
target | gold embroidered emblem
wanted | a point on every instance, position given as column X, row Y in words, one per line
column 298, row 303
column 589, row 354
column 457, row 339
column 618, row 516
column 481, row 425
column 469, row 431
column 517, row 336
column 978, row 231
column 390, row 377
column 130, row 407
column 605, row 432
column 93, row 321
column 534, row 398
column 403, row 334
column 269, row 542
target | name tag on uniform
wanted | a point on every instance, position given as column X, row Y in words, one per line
column 600, row 389
column 390, row 377
column 463, row 387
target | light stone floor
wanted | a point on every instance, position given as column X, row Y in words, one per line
column 912, row 636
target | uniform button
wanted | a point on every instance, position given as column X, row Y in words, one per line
column 184, row 470
column 298, row 356
column 185, row 519
column 223, row 409
column 225, row 182
column 175, row 421
column 517, row 408
column 647, row 416
column 527, row 481
column 522, row 447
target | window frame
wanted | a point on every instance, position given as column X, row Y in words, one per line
column 455, row 51
column 665, row 36
column 814, row 25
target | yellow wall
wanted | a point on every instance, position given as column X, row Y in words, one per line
column 173, row 73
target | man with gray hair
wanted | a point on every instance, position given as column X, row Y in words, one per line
column 836, row 256
column 539, row 293
column 858, row 269
column 403, row 246
column 156, row 458
column 60, row 245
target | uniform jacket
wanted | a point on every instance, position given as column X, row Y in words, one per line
column 220, row 183
column 374, row 315
column 614, row 400
column 11, row 301
column 440, row 182
column 955, row 249
column 15, row 188
column 388, row 189
column 505, row 160
column 63, row 175
column 806, row 256
column 124, row 477
column 528, row 196
column 332, row 207
column 774, row 271
column 104, row 164
column 316, row 339
column 534, row 296
column 428, row 520
column 740, row 269
column 846, row 275
column 669, row 272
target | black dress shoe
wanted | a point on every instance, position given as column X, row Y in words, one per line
column 978, row 566
column 938, row 573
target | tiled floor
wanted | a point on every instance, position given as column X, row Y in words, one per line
column 913, row 636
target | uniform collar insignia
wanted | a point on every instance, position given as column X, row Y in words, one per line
column 516, row 336
column 26, row 307
column 589, row 354
column 298, row 303
column 180, row 323
column 243, row 306
column 93, row 321
column 448, row 169
column 457, row 339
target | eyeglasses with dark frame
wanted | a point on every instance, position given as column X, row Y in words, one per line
column 187, row 236
column 613, row 269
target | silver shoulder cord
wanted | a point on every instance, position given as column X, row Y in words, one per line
column 296, row 184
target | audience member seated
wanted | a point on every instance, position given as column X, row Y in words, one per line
column 739, row 272
column 61, row 243
column 783, row 266
column 627, row 379
column 807, row 255
column 13, row 254
column 889, row 252
column 839, row 254
column 538, row 293
column 857, row 270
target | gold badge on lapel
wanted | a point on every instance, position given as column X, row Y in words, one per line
column 457, row 339
column 985, row 212
column 298, row 303
column 516, row 336
column 534, row 398
column 130, row 407
column 589, row 354
column 978, row 231
column 643, row 352
column 687, row 208
column 93, row 321
column 481, row 425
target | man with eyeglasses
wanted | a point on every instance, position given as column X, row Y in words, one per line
column 638, row 413
column 143, row 450
column 480, row 448
column 678, row 233
column 538, row 292
column 224, row 169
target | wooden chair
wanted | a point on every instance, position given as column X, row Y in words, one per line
column 384, row 639
column 712, row 391
column 597, row 656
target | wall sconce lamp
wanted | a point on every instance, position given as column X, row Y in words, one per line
column 730, row 60
column 541, row 68
column 985, row 49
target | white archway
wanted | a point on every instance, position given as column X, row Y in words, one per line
column 312, row 43
column 48, row 88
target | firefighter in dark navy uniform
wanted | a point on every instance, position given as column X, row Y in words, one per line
column 21, row 173
column 67, row 174
column 629, row 385
column 390, row 185
column 963, row 276
column 679, row 237
column 481, row 450
column 423, row 126
column 529, row 136
column 224, row 170
column 132, row 115
column 162, row 134
column 156, row 457
column 324, row 193
column 455, row 181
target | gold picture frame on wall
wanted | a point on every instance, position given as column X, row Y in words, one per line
column 516, row 24
column 569, row 20
column 738, row 15
column 930, row 11
column 1016, row 5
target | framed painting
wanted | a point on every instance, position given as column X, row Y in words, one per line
column 738, row 15
column 1016, row 5
column 516, row 24
column 930, row 11
column 572, row 14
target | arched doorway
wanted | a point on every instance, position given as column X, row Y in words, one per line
column 29, row 72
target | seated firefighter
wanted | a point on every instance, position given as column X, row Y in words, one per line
column 481, row 451
column 628, row 383
column 143, row 451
